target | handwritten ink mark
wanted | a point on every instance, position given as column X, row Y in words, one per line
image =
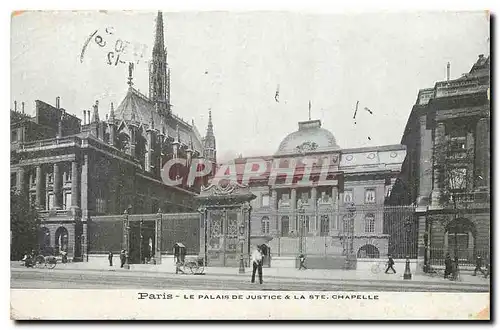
column 101, row 42
column 371, row 112
column 86, row 44
column 355, row 111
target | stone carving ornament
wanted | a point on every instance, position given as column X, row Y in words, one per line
column 306, row 146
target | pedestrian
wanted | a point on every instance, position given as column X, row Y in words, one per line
column 390, row 265
column 488, row 268
column 302, row 260
column 122, row 258
column 110, row 258
column 448, row 265
column 455, row 275
column 257, row 264
column 479, row 264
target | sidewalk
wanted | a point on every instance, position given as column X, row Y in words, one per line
column 289, row 274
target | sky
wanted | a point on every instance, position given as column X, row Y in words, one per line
column 233, row 62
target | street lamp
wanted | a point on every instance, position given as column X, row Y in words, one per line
column 242, row 243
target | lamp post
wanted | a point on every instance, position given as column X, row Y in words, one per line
column 407, row 273
column 301, row 229
column 242, row 243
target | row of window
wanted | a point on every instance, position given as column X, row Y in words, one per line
column 347, row 224
column 348, row 197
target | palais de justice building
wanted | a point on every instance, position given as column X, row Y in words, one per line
column 343, row 215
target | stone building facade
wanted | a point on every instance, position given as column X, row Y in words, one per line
column 330, row 204
column 446, row 173
column 74, row 171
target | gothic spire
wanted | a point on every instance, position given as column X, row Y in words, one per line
column 111, row 113
column 210, row 127
column 159, row 45
column 158, row 76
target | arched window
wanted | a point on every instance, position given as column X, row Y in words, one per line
column 264, row 223
column 123, row 142
column 368, row 251
column 61, row 243
column 369, row 223
column 347, row 224
column 324, row 225
column 285, row 225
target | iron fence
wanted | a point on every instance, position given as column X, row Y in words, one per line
column 364, row 231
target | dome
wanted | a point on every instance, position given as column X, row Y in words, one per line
column 309, row 137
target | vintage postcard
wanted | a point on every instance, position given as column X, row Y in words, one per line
column 250, row 165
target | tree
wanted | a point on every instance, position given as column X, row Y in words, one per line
column 453, row 164
column 24, row 225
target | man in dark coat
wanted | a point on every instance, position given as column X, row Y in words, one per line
column 390, row 265
column 302, row 260
column 122, row 258
column 448, row 266
column 110, row 258
column 257, row 264
column 479, row 264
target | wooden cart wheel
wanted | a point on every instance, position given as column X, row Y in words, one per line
column 39, row 261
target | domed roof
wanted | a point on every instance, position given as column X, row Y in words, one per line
column 309, row 137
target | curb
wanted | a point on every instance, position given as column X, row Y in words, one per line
column 366, row 281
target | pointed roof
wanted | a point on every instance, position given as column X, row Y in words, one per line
column 159, row 45
column 210, row 127
column 138, row 107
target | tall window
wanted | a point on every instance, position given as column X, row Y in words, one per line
column 67, row 200
column 285, row 226
column 348, row 196
column 370, row 196
column 265, row 225
column 370, row 223
column 457, row 178
column 346, row 223
column 50, row 201
column 265, row 200
column 325, row 225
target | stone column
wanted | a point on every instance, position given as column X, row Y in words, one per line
column 84, row 203
column 482, row 156
column 39, row 186
column 75, row 184
column 334, row 222
column 274, row 211
column 57, row 187
column 470, row 167
column 293, row 206
column 425, row 163
column 21, row 180
column 158, row 232
column 439, row 142
column 314, row 198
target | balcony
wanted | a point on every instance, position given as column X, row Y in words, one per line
column 50, row 143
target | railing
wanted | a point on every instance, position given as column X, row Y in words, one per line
column 365, row 230
column 50, row 142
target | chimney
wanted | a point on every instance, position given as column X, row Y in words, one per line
column 22, row 107
column 84, row 117
column 481, row 56
column 448, row 71
column 15, row 106
column 58, row 101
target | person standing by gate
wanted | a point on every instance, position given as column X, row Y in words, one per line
column 123, row 258
column 390, row 265
column 479, row 264
column 302, row 260
column 110, row 258
column 257, row 264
